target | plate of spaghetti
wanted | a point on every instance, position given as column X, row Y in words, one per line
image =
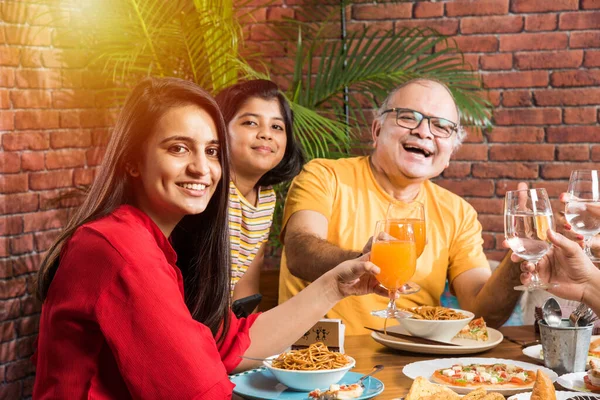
column 437, row 323
column 310, row 368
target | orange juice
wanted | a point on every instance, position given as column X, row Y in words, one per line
column 397, row 230
column 397, row 260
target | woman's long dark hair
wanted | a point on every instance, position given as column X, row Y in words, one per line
column 230, row 101
column 202, row 240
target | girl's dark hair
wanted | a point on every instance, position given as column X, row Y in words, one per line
column 230, row 101
column 201, row 240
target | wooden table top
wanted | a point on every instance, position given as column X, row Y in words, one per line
column 368, row 353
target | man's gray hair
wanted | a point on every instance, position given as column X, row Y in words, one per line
column 461, row 133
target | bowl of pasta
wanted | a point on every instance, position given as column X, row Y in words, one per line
column 313, row 368
column 437, row 323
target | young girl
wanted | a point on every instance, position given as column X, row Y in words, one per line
column 116, row 320
column 263, row 153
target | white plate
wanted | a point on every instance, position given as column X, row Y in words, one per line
column 573, row 381
column 467, row 346
column 534, row 352
column 560, row 395
column 428, row 367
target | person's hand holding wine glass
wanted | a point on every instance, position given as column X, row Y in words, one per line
column 582, row 207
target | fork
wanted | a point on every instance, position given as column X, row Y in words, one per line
column 582, row 315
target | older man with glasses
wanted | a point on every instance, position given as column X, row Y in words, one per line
column 332, row 207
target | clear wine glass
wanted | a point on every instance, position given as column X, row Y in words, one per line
column 395, row 253
column 582, row 210
column 527, row 218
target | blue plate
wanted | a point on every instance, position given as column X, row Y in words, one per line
column 261, row 384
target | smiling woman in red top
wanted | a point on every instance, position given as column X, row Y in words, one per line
column 117, row 319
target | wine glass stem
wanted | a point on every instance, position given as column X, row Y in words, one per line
column 392, row 303
column 535, row 278
column 587, row 245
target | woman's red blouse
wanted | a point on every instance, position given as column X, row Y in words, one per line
column 115, row 326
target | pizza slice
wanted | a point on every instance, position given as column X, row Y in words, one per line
column 592, row 379
column 475, row 330
column 336, row 392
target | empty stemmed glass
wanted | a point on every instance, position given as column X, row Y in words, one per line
column 527, row 218
column 582, row 210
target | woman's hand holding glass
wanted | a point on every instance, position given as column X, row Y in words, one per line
column 582, row 207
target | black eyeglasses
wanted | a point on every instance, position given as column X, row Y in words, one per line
column 411, row 119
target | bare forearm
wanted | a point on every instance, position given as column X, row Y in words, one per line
column 276, row 329
column 308, row 257
column 497, row 298
column 591, row 294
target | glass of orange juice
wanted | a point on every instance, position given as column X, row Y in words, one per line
column 412, row 213
column 394, row 251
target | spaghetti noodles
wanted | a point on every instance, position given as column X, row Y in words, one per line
column 316, row 357
column 434, row 313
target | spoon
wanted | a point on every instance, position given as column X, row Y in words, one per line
column 552, row 313
column 376, row 369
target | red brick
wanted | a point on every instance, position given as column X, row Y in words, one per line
column 584, row 39
column 541, row 22
column 279, row 13
column 4, row 99
column 513, row 170
column 11, row 225
column 7, row 331
column 21, row 244
column 28, row 384
column 94, row 156
column 567, row 97
column 549, row 59
column 457, row 170
column 524, row 79
column 446, row 26
column 69, row 119
column 32, row 161
column 590, row 4
column 73, row 99
column 381, row 11
column 596, row 153
column 471, row 187
column 13, row 12
column 5, row 272
column 30, row 304
column 7, row 77
column 428, row 10
column 13, row 183
column 532, row 6
column 579, row 115
column 474, row 135
column 28, row 36
column 522, row 152
column 28, row 325
column 43, row 240
column 491, row 223
column 70, row 138
column 7, row 120
column 563, row 170
column 66, row 198
column 471, row 152
column 42, row 79
column 31, row 58
column 9, row 56
column 468, row 44
column 71, row 79
column 18, row 203
column 92, row 119
column 574, row 152
column 42, row 221
column 42, row 119
column 487, row 206
column 497, row 61
column 591, row 58
column 25, row 141
column 476, row 7
column 25, row 347
column 50, row 180
column 18, row 370
column 533, row 41
column 65, row 159
column 27, row 264
column 4, row 247
column 100, row 137
column 501, row 24
column 83, row 176
column 575, row 78
column 9, row 310
column 579, row 20
column 9, row 163
column 12, row 288
column 573, row 134
column 517, row 98
column 31, row 98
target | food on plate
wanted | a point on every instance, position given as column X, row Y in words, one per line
column 434, row 313
column 592, row 379
column 496, row 376
column 594, row 351
column 336, row 392
column 421, row 388
column 476, row 330
column 543, row 388
column 316, row 357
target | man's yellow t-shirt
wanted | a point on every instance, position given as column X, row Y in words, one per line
column 347, row 194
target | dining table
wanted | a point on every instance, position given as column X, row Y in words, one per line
column 367, row 353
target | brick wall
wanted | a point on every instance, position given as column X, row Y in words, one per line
column 539, row 58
